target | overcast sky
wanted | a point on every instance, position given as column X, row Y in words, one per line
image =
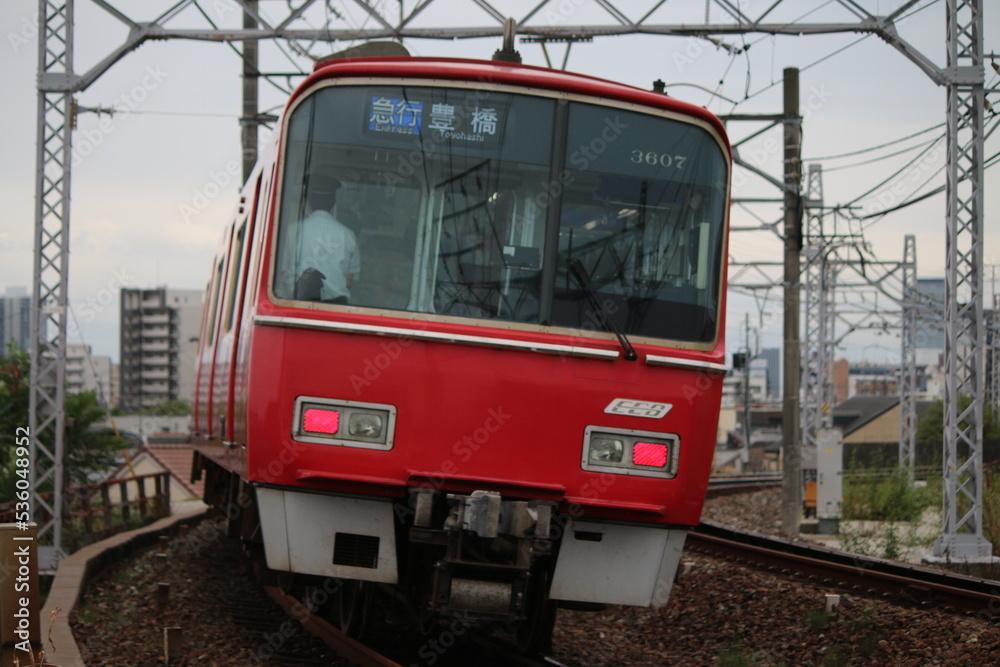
column 153, row 188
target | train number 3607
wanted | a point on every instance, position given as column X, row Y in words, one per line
column 653, row 158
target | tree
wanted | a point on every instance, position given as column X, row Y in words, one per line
column 14, row 392
column 930, row 428
column 89, row 451
column 169, row 408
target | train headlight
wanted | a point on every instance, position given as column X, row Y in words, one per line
column 630, row 452
column 606, row 449
column 365, row 424
column 345, row 423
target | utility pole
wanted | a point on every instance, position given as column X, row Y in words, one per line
column 791, row 447
column 746, row 397
column 250, row 119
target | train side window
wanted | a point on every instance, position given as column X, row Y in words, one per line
column 217, row 287
column 206, row 304
column 236, row 262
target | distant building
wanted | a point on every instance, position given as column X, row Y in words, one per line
column 116, row 385
column 841, row 375
column 15, row 318
column 931, row 322
column 772, row 356
column 871, row 432
column 733, row 389
column 872, row 380
column 89, row 372
column 159, row 340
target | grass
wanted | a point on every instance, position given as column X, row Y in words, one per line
column 891, row 498
column 849, row 637
column 817, row 618
column 991, row 506
column 894, row 504
column 736, row 654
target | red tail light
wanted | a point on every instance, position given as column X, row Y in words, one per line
column 650, row 454
column 321, row 421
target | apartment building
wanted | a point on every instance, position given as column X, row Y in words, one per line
column 159, row 341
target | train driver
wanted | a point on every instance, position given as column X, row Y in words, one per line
column 320, row 252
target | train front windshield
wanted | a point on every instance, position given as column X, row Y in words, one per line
column 501, row 206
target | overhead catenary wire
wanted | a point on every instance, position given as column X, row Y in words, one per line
column 913, row 198
column 895, row 173
column 827, row 170
column 774, row 83
column 873, row 148
column 992, row 161
column 257, row 72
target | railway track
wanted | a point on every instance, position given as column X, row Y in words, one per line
column 906, row 582
column 207, row 573
column 468, row 649
column 734, row 483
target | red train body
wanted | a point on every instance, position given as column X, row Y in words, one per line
column 470, row 425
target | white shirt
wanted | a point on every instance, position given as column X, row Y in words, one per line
column 321, row 242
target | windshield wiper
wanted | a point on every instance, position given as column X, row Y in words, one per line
column 576, row 266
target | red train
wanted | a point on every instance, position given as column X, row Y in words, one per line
column 464, row 338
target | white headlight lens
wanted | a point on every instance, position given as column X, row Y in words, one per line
column 365, row 424
column 606, row 449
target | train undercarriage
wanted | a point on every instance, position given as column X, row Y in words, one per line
column 465, row 561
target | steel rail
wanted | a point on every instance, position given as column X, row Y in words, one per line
column 912, row 583
column 731, row 484
column 348, row 648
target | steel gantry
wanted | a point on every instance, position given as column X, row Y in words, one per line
column 962, row 531
column 49, row 296
column 818, row 341
column 908, row 358
column 963, row 77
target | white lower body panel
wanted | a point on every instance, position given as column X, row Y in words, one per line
column 615, row 564
column 330, row 536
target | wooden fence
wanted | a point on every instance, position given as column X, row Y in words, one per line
column 95, row 511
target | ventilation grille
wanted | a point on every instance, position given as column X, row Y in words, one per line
column 355, row 550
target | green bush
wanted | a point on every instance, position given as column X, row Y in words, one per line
column 890, row 498
column 991, row 506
